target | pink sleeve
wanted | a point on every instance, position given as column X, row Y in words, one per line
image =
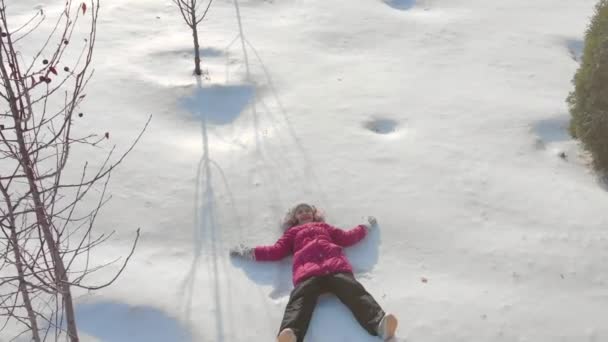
column 278, row 251
column 347, row 238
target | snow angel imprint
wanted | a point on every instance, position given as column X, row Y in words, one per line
column 320, row 266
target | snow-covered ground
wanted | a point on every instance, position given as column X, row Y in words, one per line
column 443, row 118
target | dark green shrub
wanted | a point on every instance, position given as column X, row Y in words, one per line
column 588, row 101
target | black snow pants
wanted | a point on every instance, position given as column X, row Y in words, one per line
column 349, row 291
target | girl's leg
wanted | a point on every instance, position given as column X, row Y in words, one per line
column 301, row 304
column 363, row 306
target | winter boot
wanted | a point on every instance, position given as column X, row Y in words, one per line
column 387, row 327
column 287, row 335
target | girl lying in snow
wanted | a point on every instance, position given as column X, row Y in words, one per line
column 320, row 266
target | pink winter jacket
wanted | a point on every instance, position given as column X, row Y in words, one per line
column 316, row 248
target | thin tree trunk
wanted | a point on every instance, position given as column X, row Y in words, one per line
column 197, row 57
column 27, row 302
column 61, row 276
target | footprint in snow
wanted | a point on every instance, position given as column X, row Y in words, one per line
column 401, row 4
column 381, row 126
column 552, row 134
column 575, row 49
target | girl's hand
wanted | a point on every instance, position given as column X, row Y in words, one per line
column 372, row 223
column 242, row 251
column 372, row 220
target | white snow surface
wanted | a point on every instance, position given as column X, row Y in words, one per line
column 442, row 118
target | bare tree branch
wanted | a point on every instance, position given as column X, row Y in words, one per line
column 46, row 237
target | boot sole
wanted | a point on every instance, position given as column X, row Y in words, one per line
column 390, row 327
column 286, row 336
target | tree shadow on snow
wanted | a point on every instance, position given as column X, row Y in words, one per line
column 219, row 105
column 280, row 123
column 118, row 322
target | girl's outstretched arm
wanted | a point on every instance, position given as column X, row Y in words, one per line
column 349, row 237
column 278, row 251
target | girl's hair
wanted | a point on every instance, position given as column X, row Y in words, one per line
column 290, row 218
